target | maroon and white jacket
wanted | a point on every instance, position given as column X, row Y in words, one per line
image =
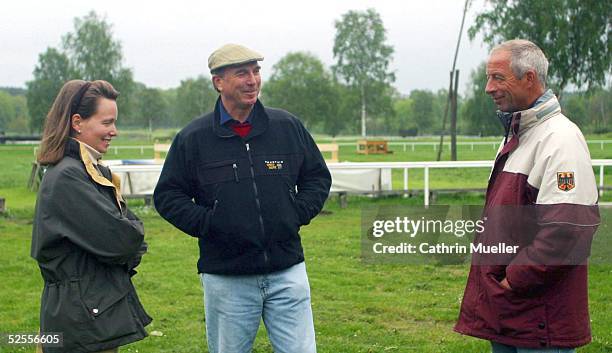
column 541, row 196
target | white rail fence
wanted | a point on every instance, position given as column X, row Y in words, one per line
column 405, row 166
column 426, row 166
column 405, row 145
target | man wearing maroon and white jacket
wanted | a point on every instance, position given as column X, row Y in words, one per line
column 541, row 196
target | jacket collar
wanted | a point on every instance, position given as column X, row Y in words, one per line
column 259, row 122
column 94, row 155
column 78, row 150
column 543, row 109
column 517, row 123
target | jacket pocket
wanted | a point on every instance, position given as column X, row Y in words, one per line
column 109, row 310
column 512, row 314
column 292, row 196
column 218, row 172
column 296, row 209
column 97, row 305
column 301, row 218
column 210, row 217
column 284, row 216
column 70, row 298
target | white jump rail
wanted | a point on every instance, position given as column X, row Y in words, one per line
column 426, row 166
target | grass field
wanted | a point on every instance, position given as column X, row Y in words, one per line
column 358, row 307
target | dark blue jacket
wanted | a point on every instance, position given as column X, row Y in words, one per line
column 244, row 199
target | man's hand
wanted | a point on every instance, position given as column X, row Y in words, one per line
column 504, row 283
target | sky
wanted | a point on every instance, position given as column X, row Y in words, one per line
column 166, row 42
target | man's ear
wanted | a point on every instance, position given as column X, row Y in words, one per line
column 531, row 77
column 217, row 82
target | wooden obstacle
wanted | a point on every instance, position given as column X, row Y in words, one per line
column 372, row 147
column 330, row 147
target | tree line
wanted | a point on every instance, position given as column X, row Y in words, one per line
column 355, row 95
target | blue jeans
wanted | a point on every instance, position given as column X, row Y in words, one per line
column 502, row 348
column 235, row 305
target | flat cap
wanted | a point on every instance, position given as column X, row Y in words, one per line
column 232, row 54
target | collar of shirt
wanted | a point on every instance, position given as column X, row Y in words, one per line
column 225, row 116
column 543, row 98
column 93, row 154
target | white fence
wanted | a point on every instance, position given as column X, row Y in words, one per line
column 405, row 145
column 426, row 166
column 405, row 166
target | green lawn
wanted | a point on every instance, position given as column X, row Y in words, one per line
column 358, row 307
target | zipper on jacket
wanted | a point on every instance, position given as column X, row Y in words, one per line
column 257, row 202
column 235, row 167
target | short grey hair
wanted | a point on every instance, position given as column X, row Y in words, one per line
column 524, row 56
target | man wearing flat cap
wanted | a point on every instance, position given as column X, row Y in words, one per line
column 243, row 179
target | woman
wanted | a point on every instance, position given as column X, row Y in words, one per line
column 87, row 243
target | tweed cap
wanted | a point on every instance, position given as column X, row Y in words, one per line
column 232, row 54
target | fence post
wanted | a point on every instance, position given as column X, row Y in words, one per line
column 405, row 181
column 426, row 182
column 601, row 180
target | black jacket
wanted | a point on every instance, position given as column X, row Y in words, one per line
column 86, row 243
column 238, row 196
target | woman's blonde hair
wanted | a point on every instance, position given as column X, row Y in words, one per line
column 75, row 97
